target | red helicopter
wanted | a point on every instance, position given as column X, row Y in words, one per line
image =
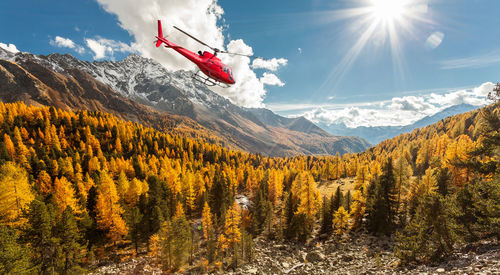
column 217, row 72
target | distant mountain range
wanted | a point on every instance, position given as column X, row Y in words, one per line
column 141, row 90
column 374, row 135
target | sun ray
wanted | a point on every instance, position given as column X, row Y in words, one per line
column 351, row 56
column 388, row 21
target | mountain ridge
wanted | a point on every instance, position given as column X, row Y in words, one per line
column 376, row 134
column 140, row 83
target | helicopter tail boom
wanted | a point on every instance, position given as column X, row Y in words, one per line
column 160, row 35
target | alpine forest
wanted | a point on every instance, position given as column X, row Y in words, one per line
column 79, row 188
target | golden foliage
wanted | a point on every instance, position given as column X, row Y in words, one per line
column 109, row 210
column 15, row 193
column 340, row 221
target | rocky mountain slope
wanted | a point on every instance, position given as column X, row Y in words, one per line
column 31, row 80
column 376, row 134
column 139, row 89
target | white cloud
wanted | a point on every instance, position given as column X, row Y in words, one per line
column 9, row 47
column 458, row 97
column 199, row 18
column 248, row 90
column 355, row 116
column 395, row 112
column 271, row 80
column 300, row 50
column 98, row 49
column 105, row 48
column 270, row 64
column 62, row 42
column 484, row 89
column 410, row 103
column 478, row 61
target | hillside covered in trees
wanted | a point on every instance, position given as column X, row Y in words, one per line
column 77, row 188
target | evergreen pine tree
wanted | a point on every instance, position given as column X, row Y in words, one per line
column 348, row 201
column 336, row 201
column 134, row 223
column 67, row 231
column 326, row 216
column 443, row 179
column 13, row 255
column 381, row 201
column 289, row 213
column 262, row 215
column 428, row 236
column 38, row 233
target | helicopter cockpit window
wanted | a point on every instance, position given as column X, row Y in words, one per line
column 230, row 72
column 225, row 69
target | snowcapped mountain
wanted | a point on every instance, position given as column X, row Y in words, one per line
column 379, row 133
column 139, row 89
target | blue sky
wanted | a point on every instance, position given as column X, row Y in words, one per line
column 326, row 75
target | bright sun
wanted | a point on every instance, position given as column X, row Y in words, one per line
column 388, row 10
column 377, row 23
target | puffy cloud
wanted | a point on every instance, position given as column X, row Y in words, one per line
column 271, row 79
column 197, row 17
column 410, row 103
column 248, row 90
column 200, row 18
column 9, row 47
column 62, row 42
column 395, row 112
column 104, row 48
column 98, row 49
column 484, row 89
column 475, row 96
column 357, row 116
column 270, row 64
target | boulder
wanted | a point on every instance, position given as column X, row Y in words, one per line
column 315, row 256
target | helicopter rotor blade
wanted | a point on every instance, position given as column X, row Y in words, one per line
column 240, row 54
column 197, row 40
column 214, row 49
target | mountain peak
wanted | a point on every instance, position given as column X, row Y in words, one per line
column 144, row 81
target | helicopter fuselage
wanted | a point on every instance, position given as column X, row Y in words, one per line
column 208, row 63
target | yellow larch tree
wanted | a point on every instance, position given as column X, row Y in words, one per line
column 232, row 233
column 310, row 199
column 64, row 195
column 133, row 192
column 122, row 185
column 362, row 176
column 357, row 208
column 275, row 184
column 9, row 145
column 340, row 222
column 15, row 193
column 108, row 209
column 44, row 183
column 207, row 221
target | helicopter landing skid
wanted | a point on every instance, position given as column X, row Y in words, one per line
column 207, row 81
